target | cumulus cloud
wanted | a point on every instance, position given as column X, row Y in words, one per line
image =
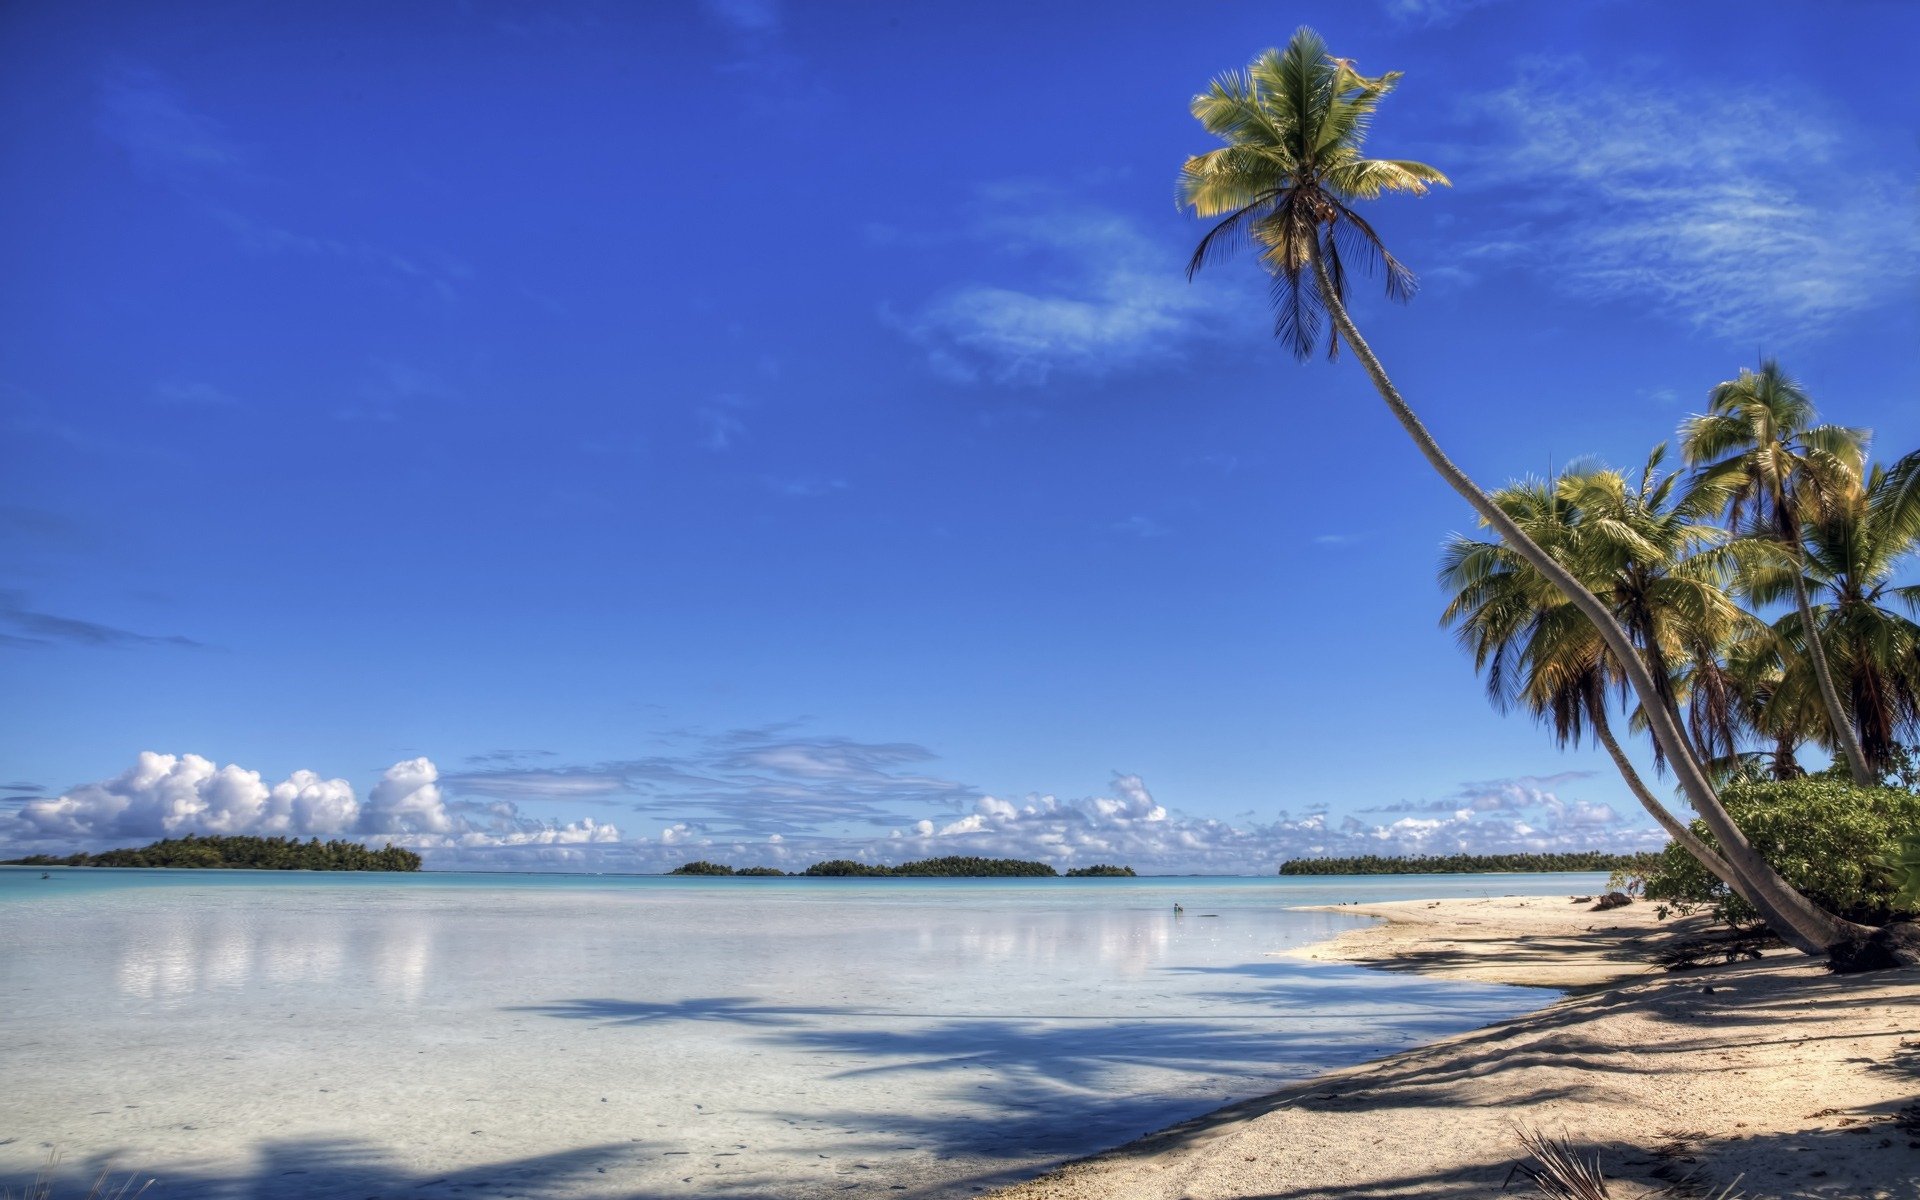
column 163, row 795
column 1098, row 296
column 167, row 795
column 1744, row 211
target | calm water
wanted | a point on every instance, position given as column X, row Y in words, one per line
column 293, row 1035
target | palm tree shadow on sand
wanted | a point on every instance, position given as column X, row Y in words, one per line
column 339, row 1168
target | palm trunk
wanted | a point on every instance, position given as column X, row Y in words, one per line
column 1675, row 827
column 1844, row 735
column 1797, row 920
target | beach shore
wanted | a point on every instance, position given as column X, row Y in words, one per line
column 1790, row 1081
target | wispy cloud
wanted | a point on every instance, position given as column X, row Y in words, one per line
column 148, row 118
column 21, row 626
column 1140, row 527
column 1086, row 292
column 1747, row 212
column 166, row 138
column 192, row 393
column 1519, row 794
column 806, row 487
column 720, row 422
column 749, row 783
column 745, row 16
column 1431, row 13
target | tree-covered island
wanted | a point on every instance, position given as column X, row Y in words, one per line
column 1467, row 864
column 195, row 852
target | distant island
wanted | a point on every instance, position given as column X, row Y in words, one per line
column 239, row 854
column 1467, row 864
column 953, row 866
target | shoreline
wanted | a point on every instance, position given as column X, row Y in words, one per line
column 1774, row 1073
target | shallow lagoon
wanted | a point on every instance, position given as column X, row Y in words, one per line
column 296, row 1035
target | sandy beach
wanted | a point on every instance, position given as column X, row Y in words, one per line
column 1775, row 1074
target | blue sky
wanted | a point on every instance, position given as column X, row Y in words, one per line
column 750, row 420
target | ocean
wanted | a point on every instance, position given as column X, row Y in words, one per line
column 291, row 1035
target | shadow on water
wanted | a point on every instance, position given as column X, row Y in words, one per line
column 342, row 1169
column 1319, row 988
column 1034, row 1087
column 732, row 1010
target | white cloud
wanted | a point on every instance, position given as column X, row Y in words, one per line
column 1743, row 211
column 1101, row 297
column 166, row 795
column 407, row 800
column 163, row 795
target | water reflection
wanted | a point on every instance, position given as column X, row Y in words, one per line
column 192, row 954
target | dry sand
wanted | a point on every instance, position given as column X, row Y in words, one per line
column 1792, row 1081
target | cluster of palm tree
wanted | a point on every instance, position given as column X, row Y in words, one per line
column 1605, row 592
column 1777, row 511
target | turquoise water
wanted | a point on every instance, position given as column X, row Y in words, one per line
column 20, row 883
column 286, row 1034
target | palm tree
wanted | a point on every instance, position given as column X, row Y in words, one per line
column 1751, row 674
column 1294, row 123
column 1757, row 444
column 1850, row 549
column 1542, row 654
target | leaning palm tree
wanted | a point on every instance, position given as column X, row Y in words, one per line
column 1541, row 654
column 1758, row 445
column 1851, row 549
column 1286, row 183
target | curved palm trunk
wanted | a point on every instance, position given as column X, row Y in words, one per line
column 1843, row 732
column 1796, row 919
column 1675, row 827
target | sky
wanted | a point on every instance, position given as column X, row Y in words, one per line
column 597, row 436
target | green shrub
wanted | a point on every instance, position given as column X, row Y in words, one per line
column 760, row 871
column 1826, row 837
column 1904, row 864
column 1100, row 870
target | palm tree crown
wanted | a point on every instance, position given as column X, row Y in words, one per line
column 1757, row 444
column 1294, row 122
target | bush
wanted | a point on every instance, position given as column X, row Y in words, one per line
column 1826, row 837
column 760, row 871
column 1100, row 870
